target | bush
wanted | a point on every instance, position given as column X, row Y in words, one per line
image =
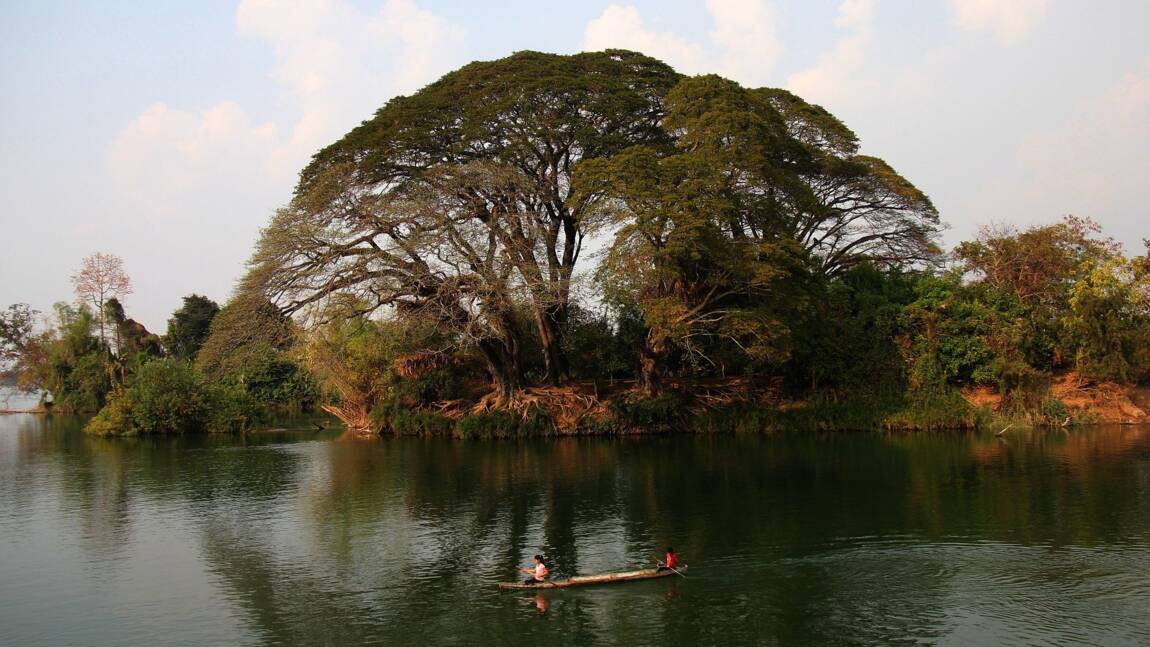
column 403, row 421
column 934, row 410
column 435, row 386
column 170, row 397
column 664, row 412
column 273, row 379
column 503, row 424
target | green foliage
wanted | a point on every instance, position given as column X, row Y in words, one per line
column 847, row 338
column 1053, row 412
column 402, row 420
column 272, row 377
column 601, row 101
column 963, row 334
column 83, row 385
column 249, row 345
column 68, row 361
column 16, row 324
column 188, row 327
column 170, row 396
column 503, row 424
column 933, row 409
column 667, row 411
column 600, row 348
column 1108, row 324
column 361, row 365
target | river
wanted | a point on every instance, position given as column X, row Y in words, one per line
column 297, row 537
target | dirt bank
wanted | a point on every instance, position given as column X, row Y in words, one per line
column 1085, row 399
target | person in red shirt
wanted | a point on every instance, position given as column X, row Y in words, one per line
column 670, row 560
column 538, row 574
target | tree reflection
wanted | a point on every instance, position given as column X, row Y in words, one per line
column 790, row 537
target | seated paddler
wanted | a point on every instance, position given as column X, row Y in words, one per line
column 538, row 574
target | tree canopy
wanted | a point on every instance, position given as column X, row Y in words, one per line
column 188, row 327
column 462, row 204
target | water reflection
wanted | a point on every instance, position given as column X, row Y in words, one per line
column 296, row 537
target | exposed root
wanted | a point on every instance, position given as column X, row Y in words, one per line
column 356, row 417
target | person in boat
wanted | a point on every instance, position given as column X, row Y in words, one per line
column 538, row 574
column 670, row 560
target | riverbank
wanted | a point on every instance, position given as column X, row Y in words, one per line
column 743, row 405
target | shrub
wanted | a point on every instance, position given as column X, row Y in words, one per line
column 932, row 410
column 503, row 424
column 170, row 397
column 664, row 412
column 404, row 421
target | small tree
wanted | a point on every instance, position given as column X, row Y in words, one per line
column 354, row 360
column 100, row 277
column 15, row 331
column 189, row 326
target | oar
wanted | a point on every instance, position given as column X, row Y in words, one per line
column 660, row 563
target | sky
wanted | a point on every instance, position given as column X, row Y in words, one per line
column 168, row 132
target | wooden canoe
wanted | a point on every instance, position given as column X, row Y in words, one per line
column 586, row 580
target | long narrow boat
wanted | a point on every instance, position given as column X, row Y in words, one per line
column 586, row 580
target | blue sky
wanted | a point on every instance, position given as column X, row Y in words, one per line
column 167, row 132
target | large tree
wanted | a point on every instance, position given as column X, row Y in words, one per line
column 458, row 204
column 537, row 114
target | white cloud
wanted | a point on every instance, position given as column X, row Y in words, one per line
column 194, row 186
column 339, row 65
column 854, row 14
column 165, row 154
column 621, row 27
column 836, row 78
column 1011, row 20
column 742, row 42
column 744, row 35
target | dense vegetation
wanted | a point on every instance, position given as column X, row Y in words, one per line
column 432, row 274
column 142, row 383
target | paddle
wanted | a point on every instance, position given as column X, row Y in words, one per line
column 660, row 563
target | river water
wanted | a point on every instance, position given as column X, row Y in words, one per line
column 297, row 537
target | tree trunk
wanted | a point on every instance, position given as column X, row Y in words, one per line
column 651, row 357
column 503, row 365
column 552, row 321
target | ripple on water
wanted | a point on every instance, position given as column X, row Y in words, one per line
column 968, row 593
column 402, row 542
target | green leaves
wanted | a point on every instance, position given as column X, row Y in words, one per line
column 189, row 326
column 169, row 396
column 681, row 253
column 16, row 325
